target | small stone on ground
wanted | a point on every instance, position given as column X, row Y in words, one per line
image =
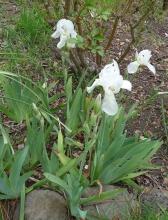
column 118, row 208
column 44, row 205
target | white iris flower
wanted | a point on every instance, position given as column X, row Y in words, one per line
column 65, row 31
column 111, row 81
column 142, row 58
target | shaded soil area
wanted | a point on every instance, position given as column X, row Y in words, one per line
column 149, row 120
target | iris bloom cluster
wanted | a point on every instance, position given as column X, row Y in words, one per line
column 65, row 31
column 109, row 78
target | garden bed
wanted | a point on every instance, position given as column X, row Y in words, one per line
column 38, row 61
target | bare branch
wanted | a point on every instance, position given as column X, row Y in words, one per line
column 78, row 19
column 165, row 4
column 67, row 8
column 80, row 53
column 75, row 61
column 129, row 45
column 132, row 29
column 112, row 33
column 126, row 9
column 98, row 59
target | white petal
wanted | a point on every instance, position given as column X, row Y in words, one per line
column 64, row 30
column 145, row 53
column 95, row 83
column 73, row 34
column 65, row 25
column 55, row 35
column 126, row 85
column 133, row 67
column 110, row 77
column 116, row 67
column 109, row 105
column 110, row 70
column 116, row 84
column 61, row 22
column 62, row 42
column 152, row 68
column 144, row 57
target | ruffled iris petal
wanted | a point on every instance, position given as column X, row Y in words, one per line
column 109, row 104
column 133, row 67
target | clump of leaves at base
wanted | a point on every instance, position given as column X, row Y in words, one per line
column 118, row 157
